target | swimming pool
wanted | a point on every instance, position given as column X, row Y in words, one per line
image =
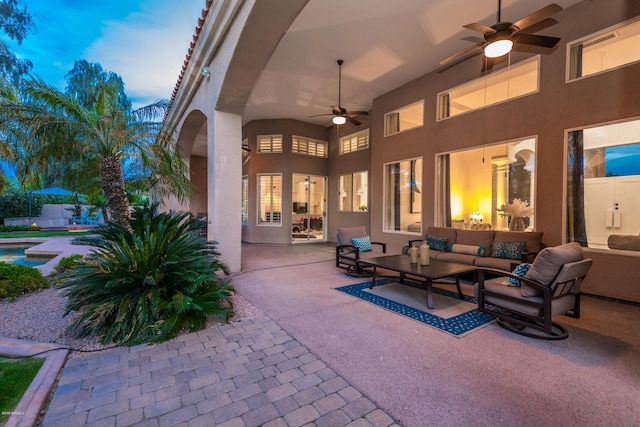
column 14, row 254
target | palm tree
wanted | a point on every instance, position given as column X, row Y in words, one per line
column 47, row 123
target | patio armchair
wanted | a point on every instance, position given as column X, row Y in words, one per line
column 350, row 251
column 525, row 301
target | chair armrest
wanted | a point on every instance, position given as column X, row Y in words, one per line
column 355, row 250
column 501, row 273
column 384, row 246
column 528, row 256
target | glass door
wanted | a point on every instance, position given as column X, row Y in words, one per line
column 309, row 204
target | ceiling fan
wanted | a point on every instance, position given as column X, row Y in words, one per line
column 501, row 38
column 340, row 114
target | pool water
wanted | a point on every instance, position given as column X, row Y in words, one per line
column 16, row 255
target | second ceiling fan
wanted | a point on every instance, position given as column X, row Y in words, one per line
column 500, row 38
column 340, row 114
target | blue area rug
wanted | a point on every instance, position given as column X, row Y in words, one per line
column 450, row 314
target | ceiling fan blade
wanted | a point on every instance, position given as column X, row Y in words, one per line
column 320, row 115
column 480, row 28
column 357, row 113
column 536, row 40
column 537, row 16
column 352, row 121
column 460, row 54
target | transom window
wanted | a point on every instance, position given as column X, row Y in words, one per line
column 513, row 82
column 269, row 143
column 609, row 49
column 405, row 118
column 354, row 142
column 310, row 147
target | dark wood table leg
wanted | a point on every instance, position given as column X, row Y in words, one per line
column 373, row 279
column 429, row 285
column 458, row 286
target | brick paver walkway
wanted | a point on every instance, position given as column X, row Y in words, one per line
column 249, row 373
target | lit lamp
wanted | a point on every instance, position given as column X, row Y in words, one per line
column 498, row 48
column 339, row 120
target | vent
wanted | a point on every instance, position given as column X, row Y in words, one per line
column 600, row 40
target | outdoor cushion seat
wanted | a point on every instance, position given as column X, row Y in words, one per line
column 348, row 254
column 549, row 288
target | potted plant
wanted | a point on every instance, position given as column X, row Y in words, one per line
column 517, row 210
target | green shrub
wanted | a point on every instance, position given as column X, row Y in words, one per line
column 68, row 262
column 17, row 205
column 16, row 280
column 149, row 283
column 12, row 228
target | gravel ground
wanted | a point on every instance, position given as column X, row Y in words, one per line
column 40, row 317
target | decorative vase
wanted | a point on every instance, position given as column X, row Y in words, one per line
column 424, row 254
column 413, row 254
column 516, row 224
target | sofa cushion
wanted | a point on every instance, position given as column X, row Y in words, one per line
column 362, row 243
column 533, row 239
column 437, row 243
column 498, row 263
column 446, row 232
column 548, row 263
column 459, row 258
column 475, row 238
column 508, row 250
column 624, row 242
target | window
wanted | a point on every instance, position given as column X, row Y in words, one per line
column 609, row 49
column 353, row 194
column 603, row 183
column 402, row 196
column 310, row 147
column 245, row 147
column 474, row 184
column 269, row 143
column 405, row 118
column 518, row 80
column 270, row 199
column 245, row 200
column 354, row 142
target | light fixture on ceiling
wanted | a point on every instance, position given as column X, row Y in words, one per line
column 498, row 48
column 339, row 120
column 206, row 71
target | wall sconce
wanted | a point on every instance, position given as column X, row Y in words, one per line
column 206, row 72
column 359, row 192
column 343, row 194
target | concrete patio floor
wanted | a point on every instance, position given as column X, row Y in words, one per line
column 320, row 357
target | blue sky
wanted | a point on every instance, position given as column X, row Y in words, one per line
column 144, row 41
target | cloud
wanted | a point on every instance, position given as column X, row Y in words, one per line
column 147, row 47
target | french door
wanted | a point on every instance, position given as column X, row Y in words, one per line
column 308, row 193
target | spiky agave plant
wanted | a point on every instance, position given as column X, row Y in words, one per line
column 149, row 283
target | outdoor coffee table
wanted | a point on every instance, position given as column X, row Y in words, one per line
column 435, row 270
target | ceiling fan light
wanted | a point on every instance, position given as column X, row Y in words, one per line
column 339, row 120
column 498, row 48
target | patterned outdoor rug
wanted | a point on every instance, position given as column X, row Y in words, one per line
column 450, row 314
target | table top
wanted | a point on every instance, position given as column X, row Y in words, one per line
column 402, row 264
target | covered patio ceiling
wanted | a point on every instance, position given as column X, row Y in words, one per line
column 384, row 44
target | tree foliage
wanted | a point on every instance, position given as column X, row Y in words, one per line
column 15, row 23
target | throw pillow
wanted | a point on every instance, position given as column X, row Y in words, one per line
column 467, row 249
column 508, row 250
column 437, row 243
column 362, row 243
column 521, row 271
